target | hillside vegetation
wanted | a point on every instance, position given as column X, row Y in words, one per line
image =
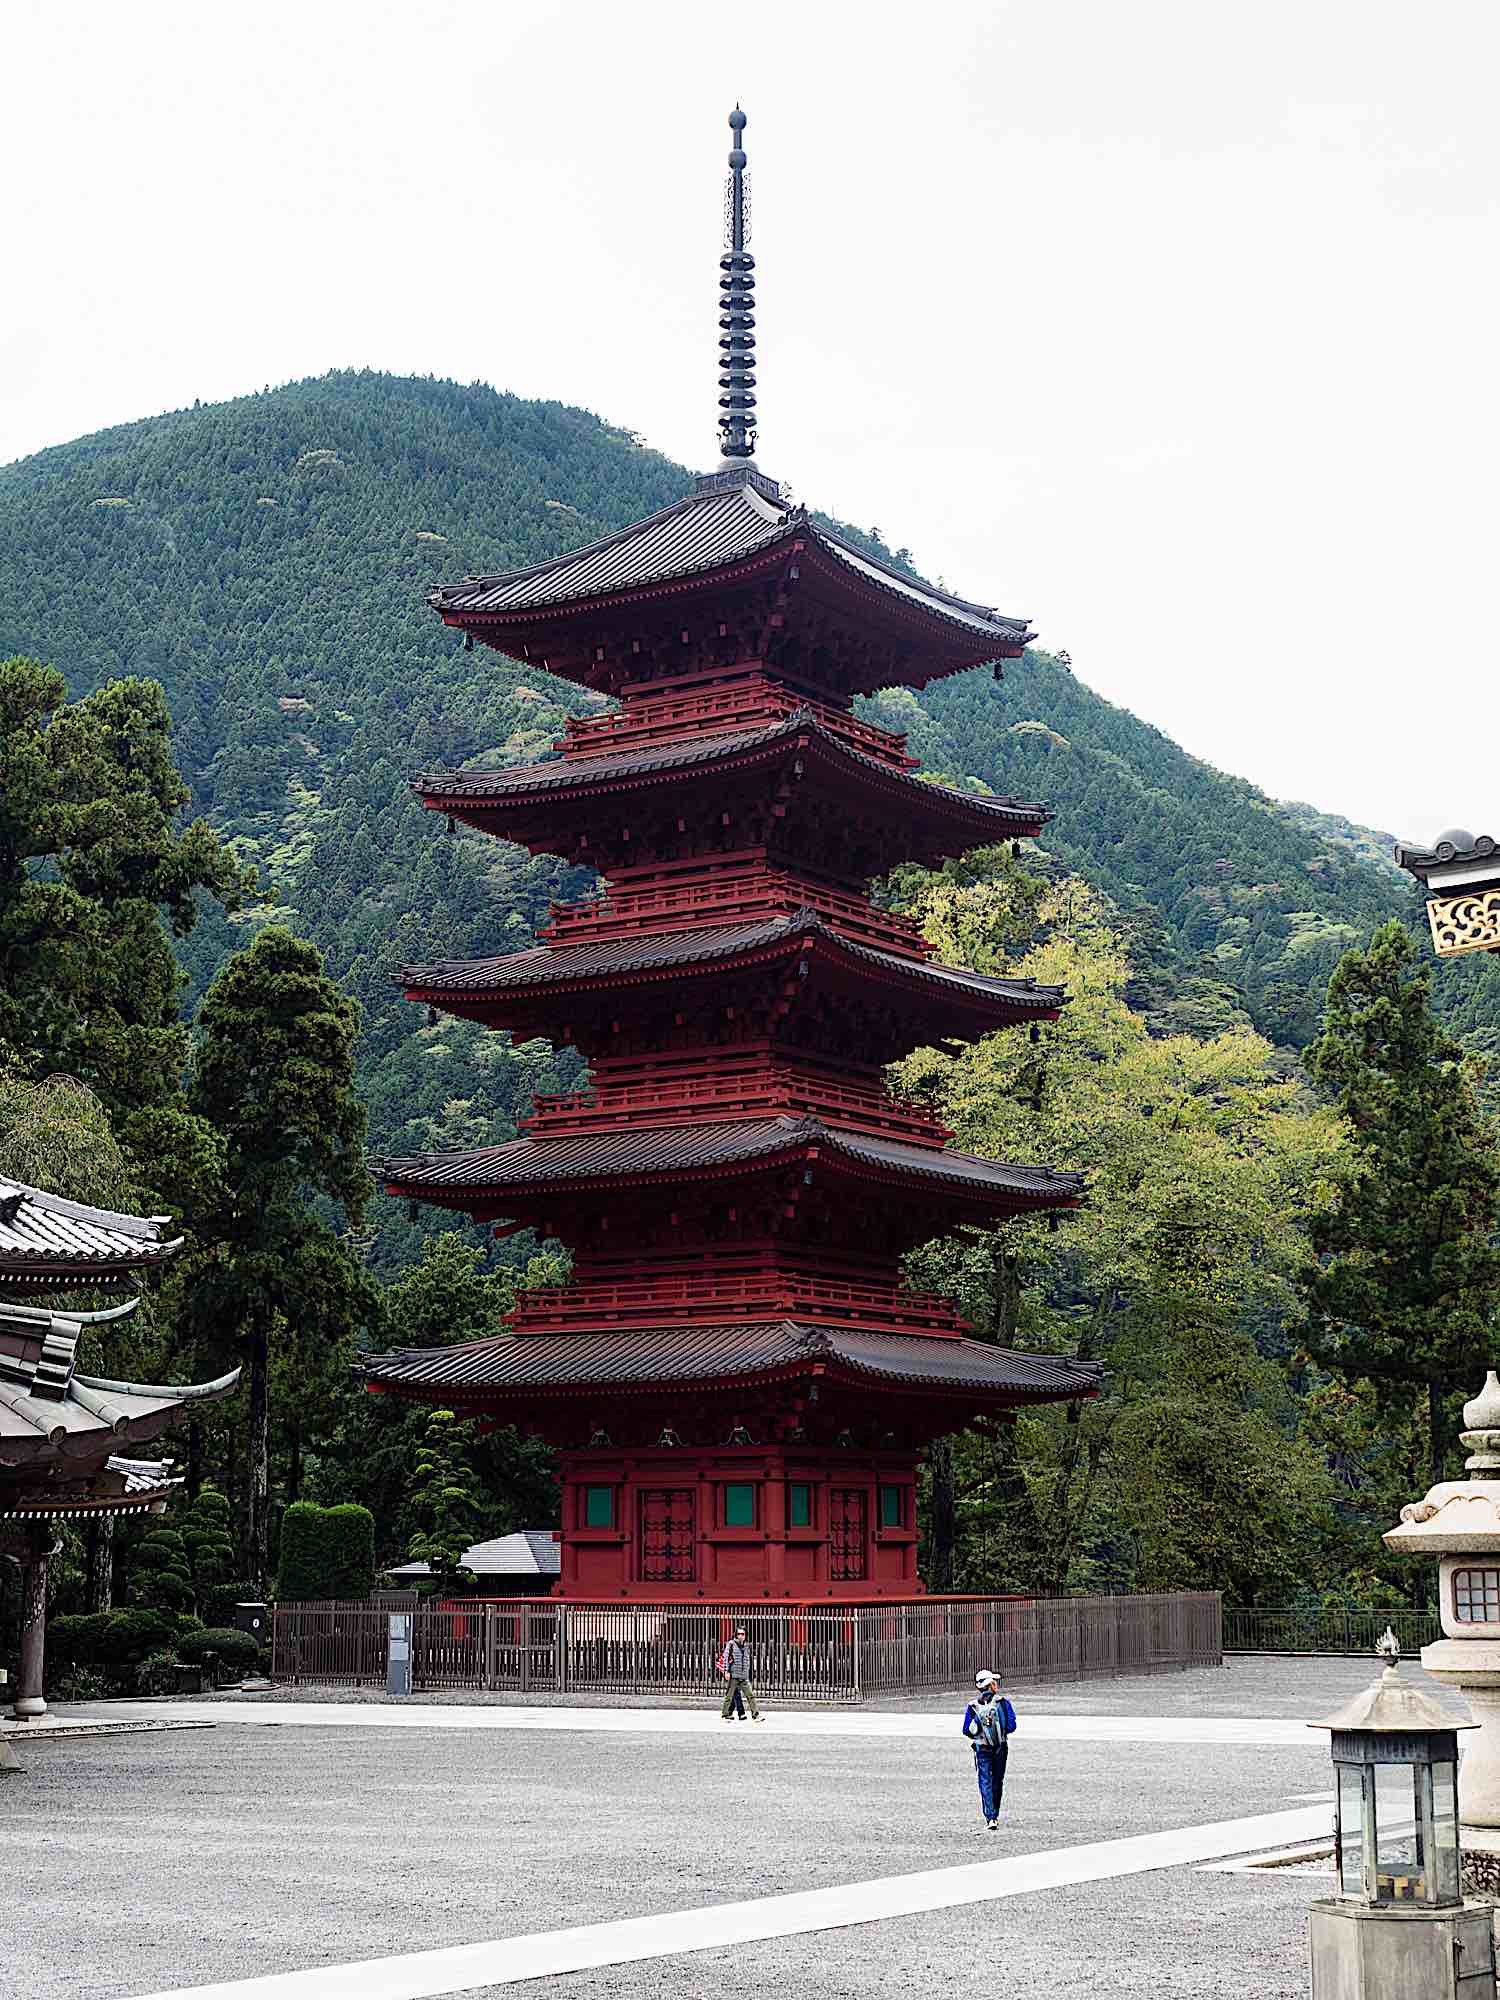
column 267, row 560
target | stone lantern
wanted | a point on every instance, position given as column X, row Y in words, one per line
column 1458, row 1523
column 1399, row 1928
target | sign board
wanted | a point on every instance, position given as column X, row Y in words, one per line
column 398, row 1654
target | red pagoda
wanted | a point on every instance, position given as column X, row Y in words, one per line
column 738, row 1381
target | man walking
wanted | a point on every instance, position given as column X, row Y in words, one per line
column 734, row 1665
column 988, row 1722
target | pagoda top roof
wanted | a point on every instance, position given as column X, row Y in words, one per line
column 728, row 520
column 666, row 1153
column 446, row 791
column 63, row 1424
column 48, row 1240
column 672, row 952
column 647, row 1358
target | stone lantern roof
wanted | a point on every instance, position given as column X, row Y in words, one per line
column 1461, row 1516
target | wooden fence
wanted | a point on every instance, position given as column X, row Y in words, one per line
column 817, row 1652
column 1333, row 1628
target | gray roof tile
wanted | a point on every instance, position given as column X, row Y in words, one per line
column 704, row 531
column 45, row 1238
column 648, row 1356
column 677, row 1149
column 546, row 964
column 992, row 817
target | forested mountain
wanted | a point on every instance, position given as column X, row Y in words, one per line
column 268, row 560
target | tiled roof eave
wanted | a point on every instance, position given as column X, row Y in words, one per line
column 568, row 780
column 849, row 1154
column 1001, row 640
column 725, row 1356
column 425, row 982
column 671, row 583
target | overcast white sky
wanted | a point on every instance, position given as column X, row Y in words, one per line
column 1171, row 325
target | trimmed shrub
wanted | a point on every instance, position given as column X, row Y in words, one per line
column 80, row 1684
column 128, row 1636
column 207, row 1537
column 325, row 1552
column 115, row 1640
column 156, row 1674
column 221, row 1646
column 76, row 1640
column 216, row 1601
column 161, row 1575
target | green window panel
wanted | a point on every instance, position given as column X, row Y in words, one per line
column 799, row 1505
column 890, row 1507
column 598, row 1506
column 739, row 1505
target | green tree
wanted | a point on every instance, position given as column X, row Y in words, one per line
column 445, row 1497
column 273, row 1072
column 92, row 861
column 375, row 1441
column 1408, row 1283
column 1201, row 1163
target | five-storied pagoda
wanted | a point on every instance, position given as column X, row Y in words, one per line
column 739, row 1382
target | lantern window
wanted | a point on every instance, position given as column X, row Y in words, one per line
column 1476, row 1596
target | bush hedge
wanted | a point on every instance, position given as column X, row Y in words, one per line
column 220, row 1645
column 325, row 1552
column 110, row 1639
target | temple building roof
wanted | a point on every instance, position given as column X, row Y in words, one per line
column 64, row 1425
column 725, row 525
column 46, row 1240
column 528, row 1552
column 639, row 1155
column 487, row 796
column 643, row 1359
column 673, row 954
column 120, row 1486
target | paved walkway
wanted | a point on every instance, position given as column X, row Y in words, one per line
column 905, row 1723
column 474, row 1968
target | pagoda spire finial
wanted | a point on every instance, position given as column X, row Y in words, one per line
column 737, row 309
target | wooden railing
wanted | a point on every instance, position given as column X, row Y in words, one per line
column 799, row 1652
column 702, row 711
column 737, row 1092
column 753, row 895
column 708, row 1294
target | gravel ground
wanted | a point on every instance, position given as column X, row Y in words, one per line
column 144, row 1862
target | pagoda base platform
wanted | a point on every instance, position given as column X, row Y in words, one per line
column 779, row 1523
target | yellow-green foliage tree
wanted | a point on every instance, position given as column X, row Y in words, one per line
column 1179, row 1274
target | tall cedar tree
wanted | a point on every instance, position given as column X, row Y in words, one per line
column 1408, row 1285
column 273, row 1071
column 92, row 858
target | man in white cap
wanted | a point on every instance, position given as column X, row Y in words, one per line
column 988, row 1722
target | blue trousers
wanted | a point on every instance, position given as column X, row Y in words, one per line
column 989, row 1768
